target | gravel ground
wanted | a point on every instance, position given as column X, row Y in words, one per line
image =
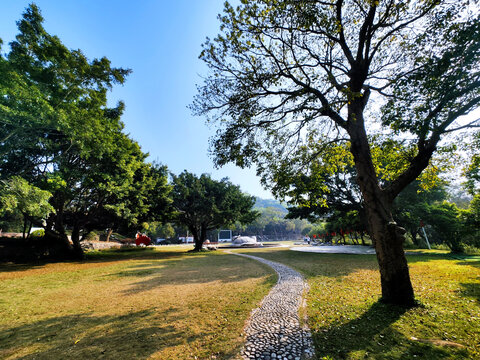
column 274, row 330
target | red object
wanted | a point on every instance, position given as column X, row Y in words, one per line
column 143, row 239
column 314, row 236
column 421, row 223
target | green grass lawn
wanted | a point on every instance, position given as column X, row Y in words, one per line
column 167, row 304
column 348, row 322
column 130, row 305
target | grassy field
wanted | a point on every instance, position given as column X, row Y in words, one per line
column 130, row 305
column 166, row 304
column 348, row 322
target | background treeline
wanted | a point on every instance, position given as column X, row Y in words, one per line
column 448, row 217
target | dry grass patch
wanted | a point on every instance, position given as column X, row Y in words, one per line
column 348, row 322
column 150, row 304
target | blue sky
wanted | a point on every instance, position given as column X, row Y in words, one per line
column 160, row 40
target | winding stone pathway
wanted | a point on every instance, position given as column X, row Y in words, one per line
column 274, row 330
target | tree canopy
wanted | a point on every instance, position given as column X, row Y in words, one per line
column 202, row 204
column 289, row 78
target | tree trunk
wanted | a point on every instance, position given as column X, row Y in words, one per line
column 203, row 234
column 29, row 229
column 354, row 238
column 24, row 227
column 196, row 239
column 387, row 237
column 77, row 247
column 362, row 238
column 109, row 233
column 413, row 233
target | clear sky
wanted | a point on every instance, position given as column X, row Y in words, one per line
column 160, row 40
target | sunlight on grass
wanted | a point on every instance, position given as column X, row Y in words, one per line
column 137, row 305
column 348, row 321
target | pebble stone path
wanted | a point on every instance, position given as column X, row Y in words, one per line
column 274, row 331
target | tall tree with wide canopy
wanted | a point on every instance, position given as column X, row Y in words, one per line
column 58, row 133
column 286, row 74
column 203, row 204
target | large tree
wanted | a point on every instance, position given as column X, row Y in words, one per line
column 286, row 74
column 58, row 133
column 203, row 204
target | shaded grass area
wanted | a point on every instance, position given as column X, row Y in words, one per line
column 130, row 304
column 348, row 321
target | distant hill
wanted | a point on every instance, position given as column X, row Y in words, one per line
column 266, row 203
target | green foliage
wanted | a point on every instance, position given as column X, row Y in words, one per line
column 159, row 230
column 413, row 204
column 444, row 222
column 317, row 229
column 445, row 227
column 472, row 170
column 470, row 223
column 203, row 204
column 18, row 195
column 58, row 133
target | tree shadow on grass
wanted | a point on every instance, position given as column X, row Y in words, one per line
column 471, row 290
column 192, row 270
column 84, row 336
column 105, row 256
column 135, row 335
column 373, row 333
column 474, row 263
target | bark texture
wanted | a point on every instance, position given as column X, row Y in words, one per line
column 387, row 236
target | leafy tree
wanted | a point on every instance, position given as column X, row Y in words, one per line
column 54, row 99
column 60, row 135
column 288, row 74
column 443, row 220
column 204, row 204
column 17, row 195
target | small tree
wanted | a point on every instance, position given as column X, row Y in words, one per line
column 17, row 195
column 204, row 204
